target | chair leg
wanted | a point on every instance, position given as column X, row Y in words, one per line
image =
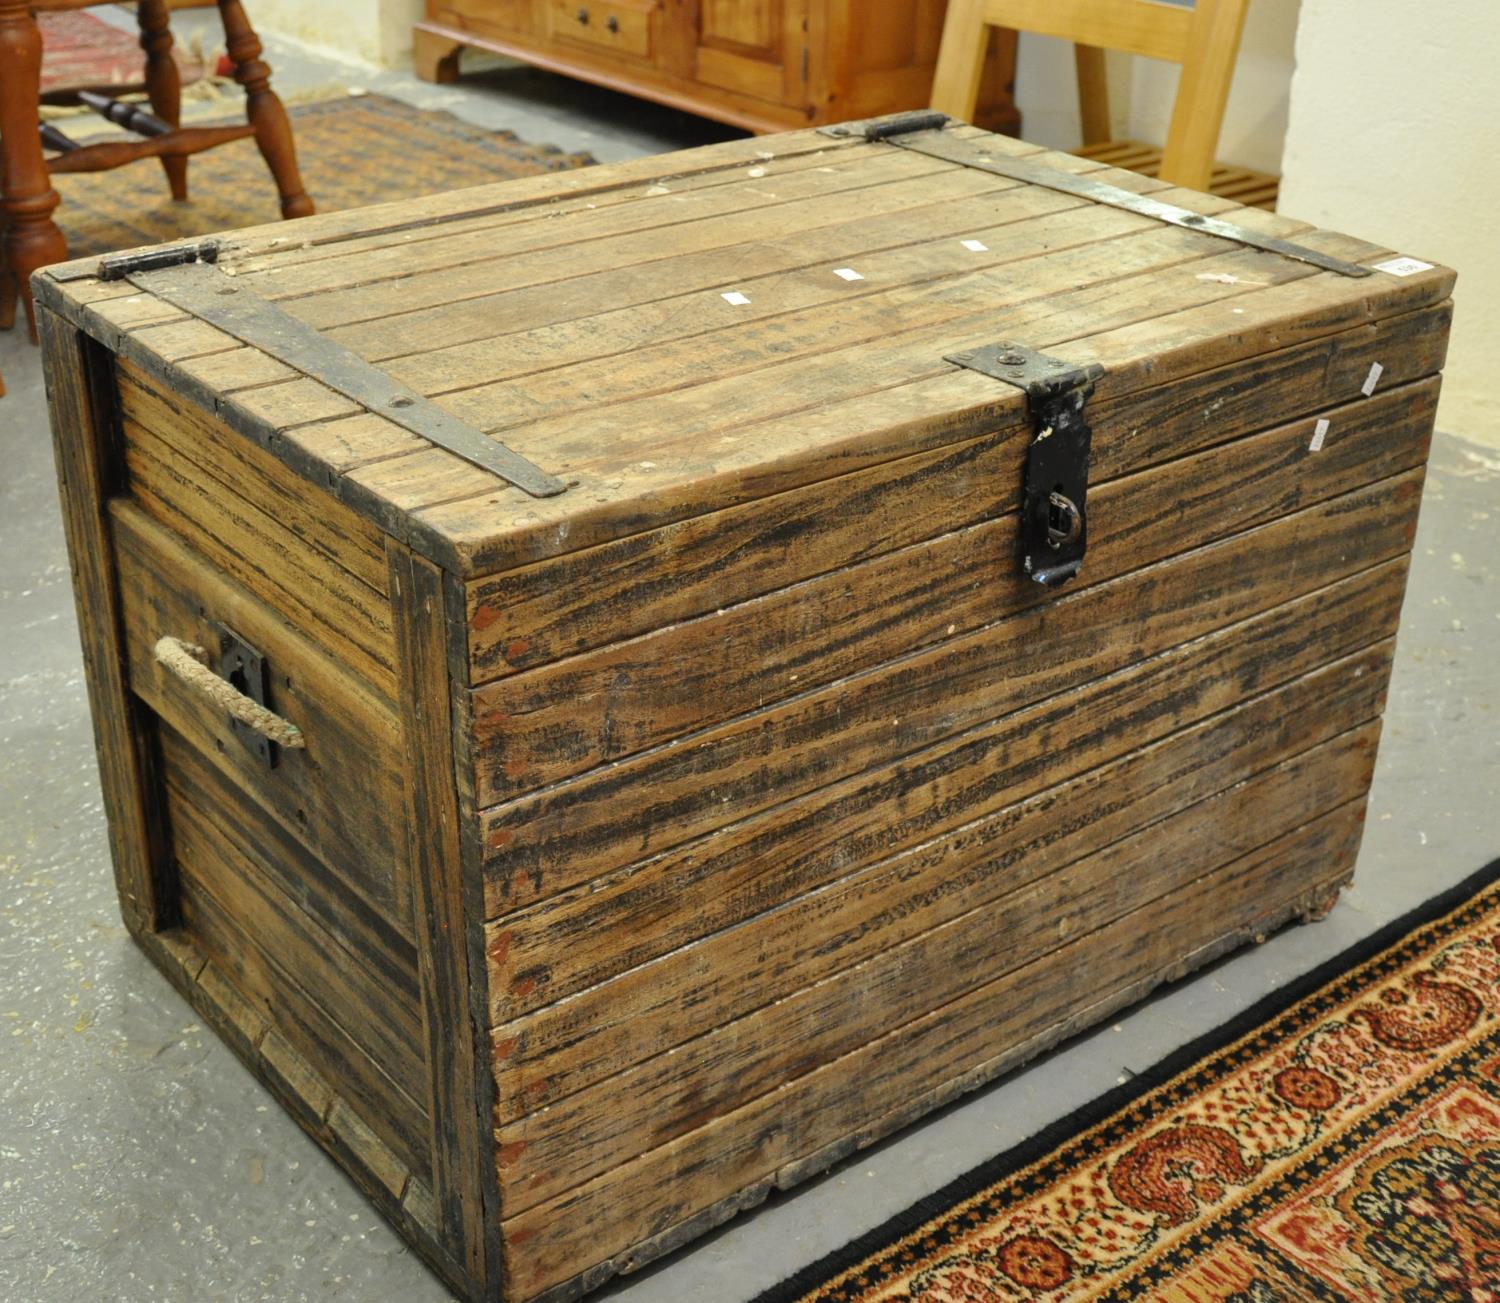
column 961, row 58
column 163, row 83
column 27, row 199
column 273, row 131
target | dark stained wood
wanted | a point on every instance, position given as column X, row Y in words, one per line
column 597, row 1129
column 541, row 613
column 340, row 796
column 569, row 717
column 354, row 1025
column 1074, row 983
column 961, row 800
column 541, row 844
column 244, row 513
column 79, row 386
column 953, row 801
column 460, row 1088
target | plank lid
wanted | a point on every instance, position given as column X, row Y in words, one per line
column 675, row 335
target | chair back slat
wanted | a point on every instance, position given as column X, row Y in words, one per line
column 1204, row 39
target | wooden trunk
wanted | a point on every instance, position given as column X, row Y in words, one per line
column 765, row 65
column 663, row 840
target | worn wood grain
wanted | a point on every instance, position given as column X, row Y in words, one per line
column 340, row 795
column 292, row 550
column 651, row 1103
column 352, row 1023
column 79, row 390
column 460, row 1091
column 556, row 1240
column 540, row 613
column 638, row 939
column 988, row 786
column 867, row 404
column 662, row 842
column 541, row 844
column 574, row 715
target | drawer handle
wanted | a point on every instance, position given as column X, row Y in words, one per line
column 186, row 662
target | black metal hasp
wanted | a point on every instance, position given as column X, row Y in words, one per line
column 1054, row 502
column 119, row 266
column 185, row 276
column 923, row 133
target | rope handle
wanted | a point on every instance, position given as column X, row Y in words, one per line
column 188, row 663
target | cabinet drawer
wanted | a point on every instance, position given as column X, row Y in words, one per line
column 619, row 26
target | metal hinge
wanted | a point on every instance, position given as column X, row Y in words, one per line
column 1054, row 500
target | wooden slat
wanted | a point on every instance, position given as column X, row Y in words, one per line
column 1144, row 27
column 79, row 390
column 647, row 1105
column 866, row 404
column 542, row 844
column 538, row 614
column 1019, row 1013
column 576, row 941
column 438, row 814
column 291, row 869
column 567, row 718
column 304, row 556
column 350, row 1022
column 372, row 284
column 592, row 953
column 340, row 796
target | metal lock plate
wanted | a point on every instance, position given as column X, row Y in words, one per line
column 1054, row 502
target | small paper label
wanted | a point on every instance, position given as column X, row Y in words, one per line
column 1403, row 266
column 734, row 296
column 1371, row 380
column 1320, row 431
column 848, row 274
column 975, row 246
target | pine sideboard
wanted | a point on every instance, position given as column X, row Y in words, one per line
column 765, row 65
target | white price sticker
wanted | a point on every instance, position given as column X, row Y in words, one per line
column 848, row 274
column 1371, row 380
column 1320, row 432
column 739, row 300
column 1403, row 266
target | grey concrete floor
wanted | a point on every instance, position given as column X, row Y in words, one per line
column 139, row 1160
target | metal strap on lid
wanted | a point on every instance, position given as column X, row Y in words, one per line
column 185, row 276
column 923, row 133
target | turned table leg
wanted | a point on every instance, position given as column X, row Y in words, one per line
column 27, row 198
column 163, row 83
column 273, row 132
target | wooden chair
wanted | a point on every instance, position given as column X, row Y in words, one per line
column 31, row 239
column 1204, row 39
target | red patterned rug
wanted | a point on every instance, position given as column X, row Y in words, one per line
column 80, row 50
column 1340, row 1141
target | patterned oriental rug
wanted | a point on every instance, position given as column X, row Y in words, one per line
column 1340, row 1141
column 79, row 49
column 353, row 150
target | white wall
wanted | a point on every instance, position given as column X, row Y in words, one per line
column 1394, row 136
column 376, row 32
column 1142, row 91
